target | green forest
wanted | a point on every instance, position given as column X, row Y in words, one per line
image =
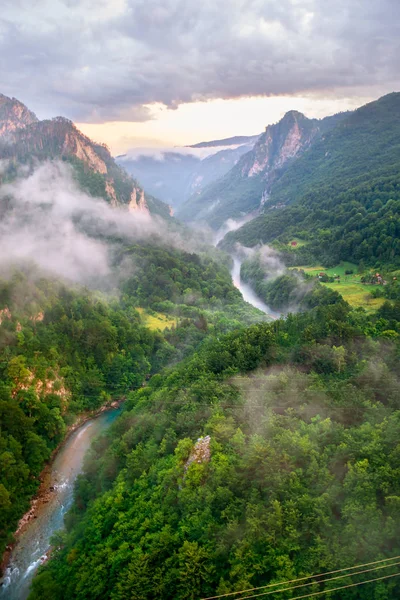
column 62, row 352
column 66, row 351
column 358, row 224
column 299, row 474
column 290, row 292
column 248, row 451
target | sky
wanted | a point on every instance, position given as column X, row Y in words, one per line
column 164, row 72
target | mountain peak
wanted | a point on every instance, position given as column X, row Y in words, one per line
column 289, row 117
column 294, row 114
column 14, row 115
column 65, row 121
column 279, row 143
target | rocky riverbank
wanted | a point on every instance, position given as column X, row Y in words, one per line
column 47, row 487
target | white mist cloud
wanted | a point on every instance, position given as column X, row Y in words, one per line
column 269, row 259
column 51, row 222
column 162, row 153
column 272, row 266
column 3, row 165
column 231, row 225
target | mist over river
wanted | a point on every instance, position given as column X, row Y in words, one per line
column 248, row 293
column 34, row 540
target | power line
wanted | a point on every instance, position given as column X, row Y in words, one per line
column 343, row 587
column 376, row 562
column 288, row 589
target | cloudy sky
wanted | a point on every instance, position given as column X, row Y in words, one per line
column 148, row 72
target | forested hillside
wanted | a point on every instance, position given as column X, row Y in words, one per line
column 358, row 224
column 62, row 352
column 361, row 147
column 343, row 193
column 65, row 350
column 294, row 471
column 289, row 292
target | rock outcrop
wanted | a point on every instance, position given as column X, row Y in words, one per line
column 138, row 201
column 201, row 451
column 14, row 115
column 78, row 145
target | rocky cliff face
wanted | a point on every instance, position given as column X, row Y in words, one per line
column 25, row 139
column 14, row 115
column 76, row 145
column 246, row 187
column 278, row 144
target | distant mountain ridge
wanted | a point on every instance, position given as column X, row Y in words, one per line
column 25, row 139
column 246, row 187
column 174, row 175
column 232, row 141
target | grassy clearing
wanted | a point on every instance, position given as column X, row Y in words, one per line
column 357, row 294
column 350, row 287
column 156, row 321
column 334, row 271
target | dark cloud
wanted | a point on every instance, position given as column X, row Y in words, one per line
column 105, row 59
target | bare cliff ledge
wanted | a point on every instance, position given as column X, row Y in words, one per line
column 25, row 139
